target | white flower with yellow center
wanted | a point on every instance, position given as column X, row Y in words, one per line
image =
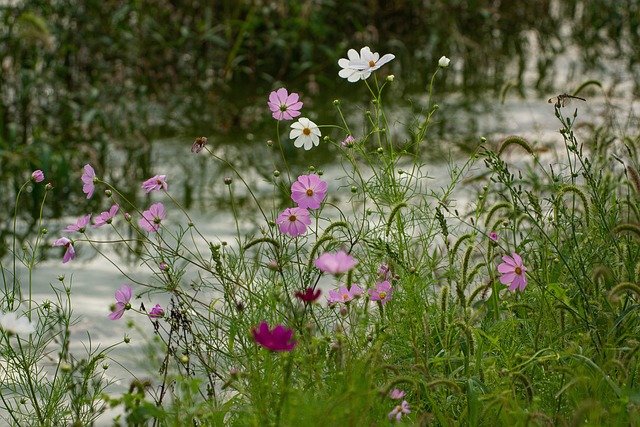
column 305, row 134
column 360, row 66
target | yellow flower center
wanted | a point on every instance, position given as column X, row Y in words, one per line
column 309, row 192
column 383, row 295
column 518, row 270
column 345, row 297
column 292, row 218
column 371, row 63
column 306, row 131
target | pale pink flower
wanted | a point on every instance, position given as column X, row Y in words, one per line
column 399, row 410
column 348, row 141
column 152, row 218
column 70, row 253
column 89, row 180
column 105, row 217
column 80, row 225
column 293, row 221
column 37, row 176
column 308, row 191
column 343, row 294
column 513, row 272
column 337, row 263
column 123, row 296
column 397, row 394
column 199, row 144
column 158, row 182
column 382, row 293
column 284, row 106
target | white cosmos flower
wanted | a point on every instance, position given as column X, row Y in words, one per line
column 11, row 323
column 360, row 66
column 306, row 133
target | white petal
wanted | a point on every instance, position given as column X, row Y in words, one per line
column 299, row 142
column 352, row 54
column 295, row 133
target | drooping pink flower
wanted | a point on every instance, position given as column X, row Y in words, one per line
column 152, row 218
column 123, row 296
column 397, row 394
column 308, row 191
column 384, row 272
column 399, row 410
column 337, row 263
column 284, row 106
column 105, row 217
column 37, row 176
column 309, row 295
column 70, row 253
column 343, row 295
column 89, row 181
column 199, row 144
column 277, row 340
column 156, row 312
column 158, row 182
column 80, row 225
column 293, row 221
column 513, row 272
column 382, row 293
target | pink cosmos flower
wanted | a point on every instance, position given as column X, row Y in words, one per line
column 348, row 141
column 343, row 295
column 37, row 176
column 123, row 295
column 382, row 293
column 293, row 221
column 397, row 394
column 513, row 272
column 384, row 273
column 80, row 225
column 156, row 312
column 284, row 106
column 337, row 263
column 158, row 182
column 105, row 217
column 152, row 218
column 70, row 253
column 399, row 410
column 199, row 144
column 493, row 236
column 309, row 295
column 277, row 340
column 308, row 191
column 89, row 180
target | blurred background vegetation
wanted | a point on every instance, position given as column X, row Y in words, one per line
column 81, row 79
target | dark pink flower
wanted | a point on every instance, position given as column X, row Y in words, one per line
column 309, row 295
column 493, row 236
column 277, row 340
column 105, row 217
column 80, row 225
column 37, row 176
column 399, row 410
column 308, row 191
column 284, row 106
column 337, row 263
column 152, row 218
column 123, row 296
column 382, row 293
column 293, row 221
column 89, row 180
column 343, row 295
column 70, row 253
column 513, row 272
column 158, row 182
column 156, row 312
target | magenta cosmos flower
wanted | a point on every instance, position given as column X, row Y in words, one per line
column 70, row 253
column 382, row 293
column 399, row 410
column 123, row 296
column 284, row 106
column 337, row 263
column 105, row 217
column 513, row 272
column 277, row 340
column 89, row 180
column 37, row 176
column 156, row 312
column 308, row 191
column 343, row 295
column 158, row 182
column 493, row 236
column 80, row 225
column 309, row 295
column 293, row 221
column 152, row 218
